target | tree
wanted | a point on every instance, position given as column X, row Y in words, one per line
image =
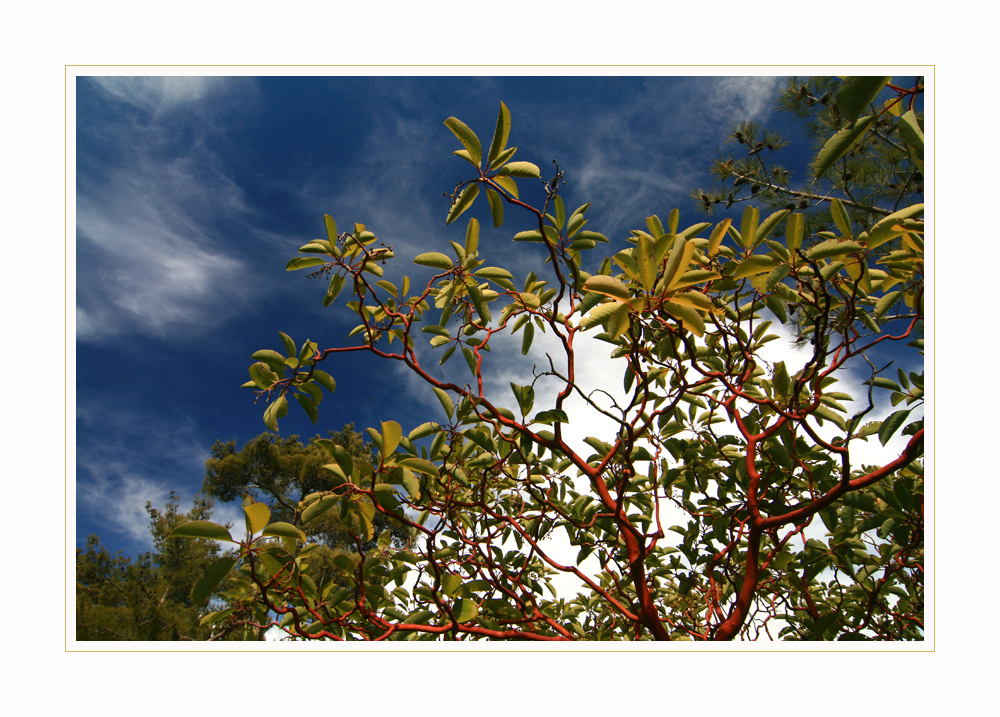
column 880, row 172
column 785, row 531
column 149, row 598
column 281, row 473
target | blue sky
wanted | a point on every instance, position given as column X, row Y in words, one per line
column 193, row 192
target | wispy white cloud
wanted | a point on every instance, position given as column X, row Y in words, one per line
column 152, row 256
column 126, row 457
column 162, row 94
column 117, row 498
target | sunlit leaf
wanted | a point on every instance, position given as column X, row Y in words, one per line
column 336, row 284
column 284, row 530
column 891, row 424
column 840, row 218
column 324, row 379
column 277, row 409
column 756, row 264
column 839, row 145
column 434, row 259
column 718, row 234
column 465, row 200
column 678, row 261
column 834, row 247
column 445, row 399
column 748, row 226
column 526, row 339
column 520, row 169
column 303, row 262
column 689, row 318
column 467, row 137
column 318, row 507
column 909, row 130
column 607, row 286
column 496, row 207
column 465, row 610
column 257, row 515
column 856, row 93
column 794, row 231
column 203, row 529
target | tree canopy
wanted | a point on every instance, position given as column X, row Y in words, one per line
column 786, row 527
column 151, row 597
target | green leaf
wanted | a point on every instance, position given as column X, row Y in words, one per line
column 834, row 247
column 891, row 424
column 607, row 286
column 756, row 264
column 450, row 584
column 391, row 433
column 423, row 430
column 324, row 379
column 776, row 275
column 318, row 507
column 409, row 481
column 257, row 515
column 690, row 318
column 308, row 405
column 619, row 321
column 345, row 461
column 856, row 93
column 472, row 236
column 840, row 218
column 500, row 134
column 527, row 337
column 271, row 358
column 885, row 302
column 496, row 207
column 645, row 254
column 419, row 465
column 465, row 610
column 262, row 375
column 336, row 284
column 493, row 272
column 678, row 262
column 467, row 137
column 520, row 169
column 303, row 262
column 884, row 230
column 532, row 235
column 445, row 399
column 781, row 381
column 213, row 576
column 287, row 342
column 278, row 409
column 748, row 225
column 331, row 228
column 794, row 231
column 284, row 530
column 718, row 234
column 203, row 529
column 525, row 396
column 768, row 225
column 553, row 415
column 909, row 130
column 465, row 200
column 385, row 539
column 434, row 259
column 840, row 144
column 316, row 246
